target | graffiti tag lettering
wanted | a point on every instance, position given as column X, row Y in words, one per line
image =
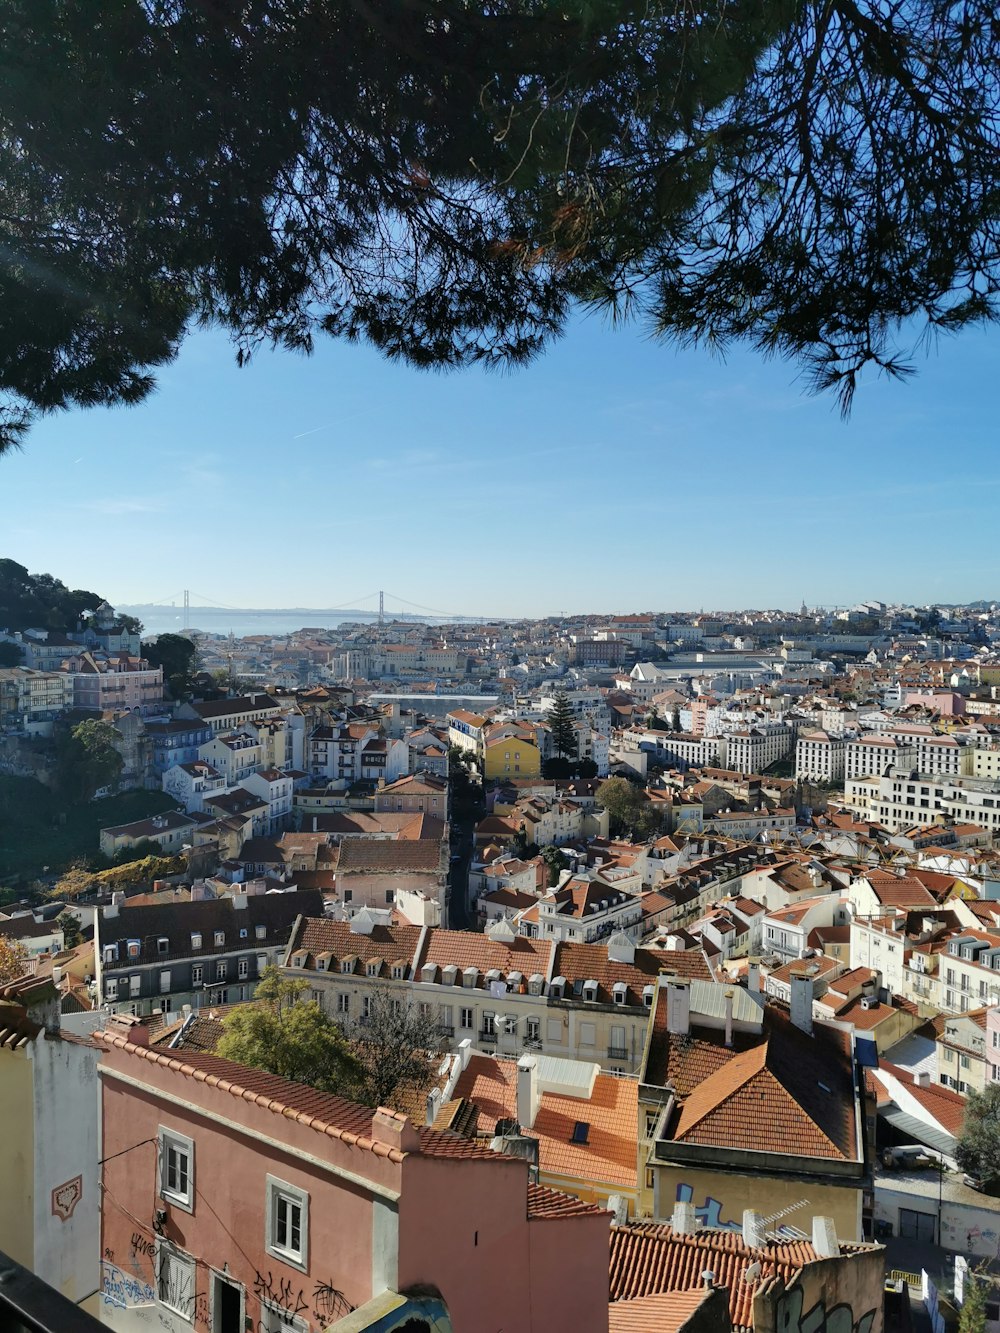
column 819, row 1319
column 329, row 1303
column 122, row 1289
column 710, row 1213
column 140, row 1245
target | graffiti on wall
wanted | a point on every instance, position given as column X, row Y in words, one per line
column 122, row 1289
column 709, row 1214
column 790, row 1316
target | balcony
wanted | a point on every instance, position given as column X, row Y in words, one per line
column 29, row 1304
column 487, row 1036
column 617, row 1053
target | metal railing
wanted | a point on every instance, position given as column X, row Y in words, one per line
column 29, row 1305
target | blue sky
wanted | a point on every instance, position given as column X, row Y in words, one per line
column 613, row 474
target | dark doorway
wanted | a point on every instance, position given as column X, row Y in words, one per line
column 227, row 1307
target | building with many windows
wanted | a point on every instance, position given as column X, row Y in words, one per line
column 204, row 952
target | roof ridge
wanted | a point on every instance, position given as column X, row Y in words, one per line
column 247, row 1094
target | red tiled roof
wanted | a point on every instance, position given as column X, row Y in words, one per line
column 466, row 948
column 586, row 962
column 609, row 1155
column 666, row 1312
column 546, row 1203
column 647, row 1258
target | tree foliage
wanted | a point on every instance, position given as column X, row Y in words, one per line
column 394, row 1043
column 447, row 180
column 13, row 959
column 562, row 727
column 176, row 655
column 290, row 1036
column 70, row 927
column 88, row 760
column 11, row 654
column 972, row 1317
column 555, row 862
column 978, row 1149
column 629, row 808
column 34, row 601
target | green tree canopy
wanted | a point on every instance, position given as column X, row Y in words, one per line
column 448, row 180
column 285, row 1034
column 629, row 808
column 88, row 760
column 978, row 1150
column 35, row 601
column 176, row 655
column 11, row 654
column 562, row 727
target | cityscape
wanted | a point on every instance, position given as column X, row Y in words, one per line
column 335, row 960
column 499, row 669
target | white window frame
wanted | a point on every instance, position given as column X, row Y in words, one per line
column 278, row 1190
column 165, row 1249
column 276, row 1319
column 168, row 1139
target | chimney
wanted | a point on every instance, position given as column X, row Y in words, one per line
column 802, row 1004
column 528, row 1094
column 753, row 978
column 824, row 1238
column 729, row 1016
column 683, row 1220
column 433, row 1105
column 395, row 1130
column 678, row 1006
column 922, row 1078
column 132, row 1029
column 465, row 1051
column 753, row 1229
column 112, row 909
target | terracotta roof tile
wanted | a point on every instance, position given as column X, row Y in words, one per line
column 466, row 948
column 611, row 1112
column 647, row 1258
column 585, row 962
column 665, row 1312
column 546, row 1203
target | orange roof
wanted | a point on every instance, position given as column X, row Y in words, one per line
column 546, row 1203
column 467, row 948
column 608, row 1156
column 666, row 1312
column 647, row 1258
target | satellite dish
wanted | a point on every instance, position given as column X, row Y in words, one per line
column 752, row 1273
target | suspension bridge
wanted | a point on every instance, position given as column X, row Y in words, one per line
column 379, row 605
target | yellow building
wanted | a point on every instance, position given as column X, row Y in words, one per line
column 510, row 757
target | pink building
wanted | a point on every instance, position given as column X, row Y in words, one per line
column 946, row 702
column 118, row 684
column 234, row 1199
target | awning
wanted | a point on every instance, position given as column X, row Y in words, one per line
column 919, row 1131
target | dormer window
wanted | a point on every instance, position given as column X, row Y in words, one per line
column 111, row 953
column 299, row 959
column 162, row 945
column 243, row 932
column 619, row 991
column 260, row 932
column 590, row 991
column 372, row 969
column 449, row 975
column 220, row 938
column 196, row 939
column 398, row 970
column 557, row 988
column 134, row 948
column 470, row 975
column 346, row 965
column 647, row 996
column 535, row 983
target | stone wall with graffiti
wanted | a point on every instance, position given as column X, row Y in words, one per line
column 842, row 1295
column 972, row 1229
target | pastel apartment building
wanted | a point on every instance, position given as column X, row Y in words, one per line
column 119, row 684
column 233, row 1198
